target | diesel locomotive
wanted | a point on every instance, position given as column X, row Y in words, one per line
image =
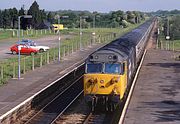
column 110, row 69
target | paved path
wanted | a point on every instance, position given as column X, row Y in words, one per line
column 156, row 97
column 50, row 41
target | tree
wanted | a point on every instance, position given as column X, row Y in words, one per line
column 1, row 19
column 36, row 14
column 6, row 19
column 117, row 17
column 137, row 16
column 14, row 17
column 175, row 28
column 50, row 17
column 130, row 17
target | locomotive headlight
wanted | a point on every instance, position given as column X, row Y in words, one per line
column 110, row 57
column 96, row 57
column 114, row 80
column 101, row 81
column 92, row 81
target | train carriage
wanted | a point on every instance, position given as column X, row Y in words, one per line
column 109, row 70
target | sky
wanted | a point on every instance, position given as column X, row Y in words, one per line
column 95, row 5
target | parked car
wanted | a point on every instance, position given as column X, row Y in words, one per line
column 40, row 48
column 33, row 44
column 25, row 49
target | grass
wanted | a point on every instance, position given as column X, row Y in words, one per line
column 5, row 34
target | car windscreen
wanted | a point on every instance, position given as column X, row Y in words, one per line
column 112, row 68
column 94, row 68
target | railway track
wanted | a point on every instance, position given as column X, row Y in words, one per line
column 58, row 105
column 52, row 113
column 94, row 118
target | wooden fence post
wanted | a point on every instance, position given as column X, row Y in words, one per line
column 2, row 75
column 13, row 33
column 14, row 70
column 33, row 62
column 17, row 32
column 72, row 47
column 48, row 57
column 24, row 68
column 64, row 51
column 41, row 60
column 22, row 33
column 54, row 54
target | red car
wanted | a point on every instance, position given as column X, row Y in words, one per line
column 24, row 49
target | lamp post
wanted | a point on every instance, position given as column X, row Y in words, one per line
column 19, row 48
column 80, row 30
column 94, row 22
column 80, row 33
column 94, row 33
column 59, row 39
column 59, row 44
column 168, row 36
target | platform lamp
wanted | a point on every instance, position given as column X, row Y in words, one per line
column 19, row 48
column 59, row 39
column 80, row 30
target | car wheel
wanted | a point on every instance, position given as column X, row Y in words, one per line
column 32, row 53
column 41, row 50
column 14, row 52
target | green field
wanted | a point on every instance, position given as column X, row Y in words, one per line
column 5, row 34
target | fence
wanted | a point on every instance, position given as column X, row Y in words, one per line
column 13, row 33
column 164, row 44
column 32, row 32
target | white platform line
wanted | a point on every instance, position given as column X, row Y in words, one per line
column 131, row 90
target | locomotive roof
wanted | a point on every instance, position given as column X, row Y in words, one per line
column 123, row 46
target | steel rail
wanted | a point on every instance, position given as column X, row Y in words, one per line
column 41, row 110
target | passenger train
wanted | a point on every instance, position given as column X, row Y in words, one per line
column 110, row 69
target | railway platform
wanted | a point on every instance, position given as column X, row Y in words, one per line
column 156, row 96
column 16, row 91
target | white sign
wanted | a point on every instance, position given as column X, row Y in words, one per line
column 167, row 37
column 158, row 31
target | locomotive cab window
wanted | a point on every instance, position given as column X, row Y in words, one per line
column 94, row 68
column 112, row 68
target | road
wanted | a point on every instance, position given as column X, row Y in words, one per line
column 50, row 41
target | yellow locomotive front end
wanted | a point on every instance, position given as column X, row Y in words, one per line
column 105, row 83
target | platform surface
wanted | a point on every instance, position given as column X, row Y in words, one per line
column 156, row 97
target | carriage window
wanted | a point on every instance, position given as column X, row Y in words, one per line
column 94, row 68
column 112, row 68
